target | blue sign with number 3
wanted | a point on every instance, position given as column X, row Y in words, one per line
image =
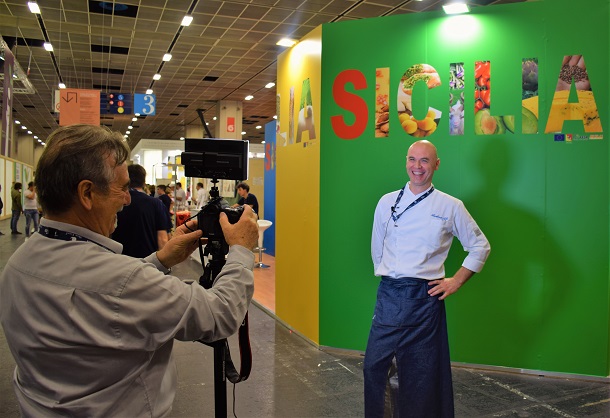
column 145, row 104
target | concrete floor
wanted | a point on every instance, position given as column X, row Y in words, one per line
column 292, row 378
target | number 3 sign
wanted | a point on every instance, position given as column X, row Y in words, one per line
column 145, row 104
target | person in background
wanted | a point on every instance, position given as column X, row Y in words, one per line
column 142, row 226
column 413, row 230
column 91, row 330
column 17, row 207
column 151, row 190
column 202, row 196
column 30, row 209
column 1, row 207
column 245, row 197
column 167, row 202
column 179, row 198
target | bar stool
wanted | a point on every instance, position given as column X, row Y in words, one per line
column 262, row 226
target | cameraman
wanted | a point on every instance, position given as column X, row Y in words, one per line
column 92, row 330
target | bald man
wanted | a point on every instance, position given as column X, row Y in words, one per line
column 412, row 233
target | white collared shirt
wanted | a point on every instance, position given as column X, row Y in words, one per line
column 417, row 244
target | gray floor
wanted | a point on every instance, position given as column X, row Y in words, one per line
column 292, row 378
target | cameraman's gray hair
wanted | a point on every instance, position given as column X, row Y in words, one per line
column 75, row 153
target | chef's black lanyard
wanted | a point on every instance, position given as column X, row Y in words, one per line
column 66, row 236
column 415, row 202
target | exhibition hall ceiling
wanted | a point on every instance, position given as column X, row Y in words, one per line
column 228, row 52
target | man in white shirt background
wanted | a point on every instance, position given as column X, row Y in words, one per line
column 202, row 196
column 179, row 198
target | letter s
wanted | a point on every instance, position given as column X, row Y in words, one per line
column 351, row 103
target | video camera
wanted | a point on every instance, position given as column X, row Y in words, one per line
column 225, row 159
column 219, row 159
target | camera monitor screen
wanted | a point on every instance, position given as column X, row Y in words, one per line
column 213, row 158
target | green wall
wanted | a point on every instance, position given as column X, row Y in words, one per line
column 542, row 300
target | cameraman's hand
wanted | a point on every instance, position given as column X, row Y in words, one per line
column 182, row 244
column 244, row 232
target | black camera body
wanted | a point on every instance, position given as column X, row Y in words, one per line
column 208, row 217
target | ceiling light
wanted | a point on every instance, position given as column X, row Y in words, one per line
column 125, row 136
column 167, row 57
column 186, row 20
column 157, row 77
column 214, row 118
column 36, row 137
column 30, row 132
column 182, row 138
column 249, row 97
column 23, row 127
column 258, row 126
column 262, row 142
column 243, row 133
column 17, row 122
column 455, row 8
column 286, row 42
column 274, row 116
column 48, row 46
column 269, row 85
column 43, row 144
column 34, row 7
column 134, row 119
column 130, row 127
column 62, row 86
column 149, row 91
column 127, row 133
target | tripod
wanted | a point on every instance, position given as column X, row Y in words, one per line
column 216, row 250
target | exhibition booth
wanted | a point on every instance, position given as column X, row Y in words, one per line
column 515, row 98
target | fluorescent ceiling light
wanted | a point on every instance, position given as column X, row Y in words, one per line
column 243, row 133
column 286, row 42
column 157, row 77
column 34, row 7
column 62, row 86
column 30, row 132
column 130, row 127
column 149, row 91
column 455, row 8
column 186, row 20
column 182, row 138
column 48, row 46
column 167, row 57
column 23, row 127
column 249, row 97
column 36, row 137
column 258, row 126
column 269, row 85
column 134, row 119
column 17, row 122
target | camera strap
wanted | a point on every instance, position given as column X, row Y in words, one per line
column 245, row 354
